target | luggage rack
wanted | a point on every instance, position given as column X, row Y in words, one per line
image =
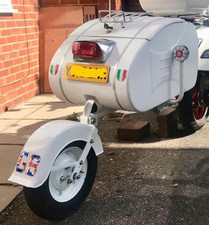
column 197, row 20
column 116, row 16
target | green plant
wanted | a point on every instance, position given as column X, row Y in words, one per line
column 73, row 116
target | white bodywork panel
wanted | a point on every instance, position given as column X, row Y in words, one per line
column 153, row 74
column 144, row 49
column 203, row 34
column 47, row 142
column 174, row 7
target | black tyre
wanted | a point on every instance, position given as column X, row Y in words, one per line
column 57, row 198
column 192, row 111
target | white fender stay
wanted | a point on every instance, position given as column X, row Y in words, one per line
column 44, row 145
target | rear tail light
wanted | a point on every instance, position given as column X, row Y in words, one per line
column 98, row 50
column 86, row 49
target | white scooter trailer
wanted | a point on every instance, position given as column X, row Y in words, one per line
column 129, row 61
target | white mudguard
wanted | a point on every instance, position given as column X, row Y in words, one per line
column 44, row 145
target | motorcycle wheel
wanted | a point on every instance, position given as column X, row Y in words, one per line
column 56, row 198
column 192, row 112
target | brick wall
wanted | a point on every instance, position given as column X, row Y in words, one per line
column 100, row 4
column 126, row 5
column 19, row 54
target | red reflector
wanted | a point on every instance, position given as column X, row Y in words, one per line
column 86, row 49
column 179, row 53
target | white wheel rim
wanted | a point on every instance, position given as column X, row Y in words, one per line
column 61, row 190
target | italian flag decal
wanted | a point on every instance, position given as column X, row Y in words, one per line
column 121, row 75
column 54, row 69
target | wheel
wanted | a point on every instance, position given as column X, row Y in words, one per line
column 192, row 111
column 57, row 198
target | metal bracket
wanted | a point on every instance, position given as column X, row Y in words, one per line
column 180, row 54
column 75, row 175
column 89, row 116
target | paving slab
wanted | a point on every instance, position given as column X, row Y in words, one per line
column 8, row 156
column 167, row 123
column 20, row 131
column 7, row 194
column 25, row 109
column 44, row 98
column 55, row 110
column 133, row 130
column 4, row 124
column 21, row 111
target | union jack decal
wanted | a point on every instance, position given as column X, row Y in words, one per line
column 28, row 164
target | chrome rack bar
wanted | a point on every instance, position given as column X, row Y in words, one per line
column 116, row 16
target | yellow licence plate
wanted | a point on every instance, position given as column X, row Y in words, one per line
column 89, row 73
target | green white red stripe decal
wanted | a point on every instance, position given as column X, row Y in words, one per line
column 54, row 69
column 121, row 75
